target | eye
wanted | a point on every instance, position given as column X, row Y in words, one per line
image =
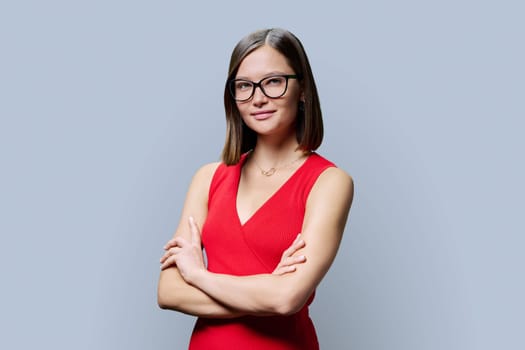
column 274, row 81
column 242, row 85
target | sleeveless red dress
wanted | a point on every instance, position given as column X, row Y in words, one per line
column 256, row 247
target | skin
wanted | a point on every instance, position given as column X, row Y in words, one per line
column 185, row 285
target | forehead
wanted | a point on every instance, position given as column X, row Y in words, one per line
column 263, row 61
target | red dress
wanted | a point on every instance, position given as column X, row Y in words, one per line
column 254, row 248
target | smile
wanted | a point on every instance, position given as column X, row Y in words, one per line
column 261, row 115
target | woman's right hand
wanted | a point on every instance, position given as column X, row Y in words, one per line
column 288, row 261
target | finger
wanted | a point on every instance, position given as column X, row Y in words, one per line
column 169, row 253
column 300, row 243
column 169, row 244
column 164, row 257
column 179, row 242
column 165, row 261
column 284, row 270
column 287, row 253
column 172, row 242
column 294, row 260
column 292, row 248
column 169, row 262
column 289, row 264
column 195, row 233
column 297, row 244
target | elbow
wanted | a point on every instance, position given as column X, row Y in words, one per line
column 167, row 301
column 287, row 310
column 291, row 302
column 162, row 300
column 167, row 296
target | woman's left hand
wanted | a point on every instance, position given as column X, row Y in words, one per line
column 187, row 255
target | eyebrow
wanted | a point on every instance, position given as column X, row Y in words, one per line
column 264, row 76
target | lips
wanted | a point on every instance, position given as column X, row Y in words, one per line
column 261, row 115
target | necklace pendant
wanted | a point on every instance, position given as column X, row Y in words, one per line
column 268, row 172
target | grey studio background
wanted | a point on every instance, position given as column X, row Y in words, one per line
column 108, row 108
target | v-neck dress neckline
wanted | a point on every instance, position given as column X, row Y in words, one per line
column 268, row 200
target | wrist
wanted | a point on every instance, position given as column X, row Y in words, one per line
column 198, row 277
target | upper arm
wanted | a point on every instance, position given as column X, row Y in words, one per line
column 196, row 202
column 325, row 218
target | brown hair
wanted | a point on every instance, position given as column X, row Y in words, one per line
column 309, row 125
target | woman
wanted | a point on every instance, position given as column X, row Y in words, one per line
column 261, row 274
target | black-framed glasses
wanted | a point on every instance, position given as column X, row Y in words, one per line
column 273, row 86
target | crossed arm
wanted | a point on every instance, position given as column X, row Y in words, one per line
column 185, row 284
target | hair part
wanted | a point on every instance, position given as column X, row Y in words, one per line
column 309, row 124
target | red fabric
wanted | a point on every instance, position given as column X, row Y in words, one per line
column 253, row 248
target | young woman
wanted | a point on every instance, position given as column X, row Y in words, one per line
column 270, row 215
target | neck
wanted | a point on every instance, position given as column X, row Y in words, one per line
column 275, row 146
column 271, row 153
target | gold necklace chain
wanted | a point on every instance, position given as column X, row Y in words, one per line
column 273, row 169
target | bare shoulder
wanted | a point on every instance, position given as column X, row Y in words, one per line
column 205, row 173
column 330, row 199
column 336, row 174
column 201, row 181
column 196, row 203
column 200, row 185
column 334, row 181
column 334, row 188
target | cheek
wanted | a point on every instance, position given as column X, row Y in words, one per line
column 291, row 107
column 242, row 108
column 292, row 102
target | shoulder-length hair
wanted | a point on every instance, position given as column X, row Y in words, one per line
column 309, row 124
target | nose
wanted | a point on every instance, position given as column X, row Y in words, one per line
column 258, row 96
